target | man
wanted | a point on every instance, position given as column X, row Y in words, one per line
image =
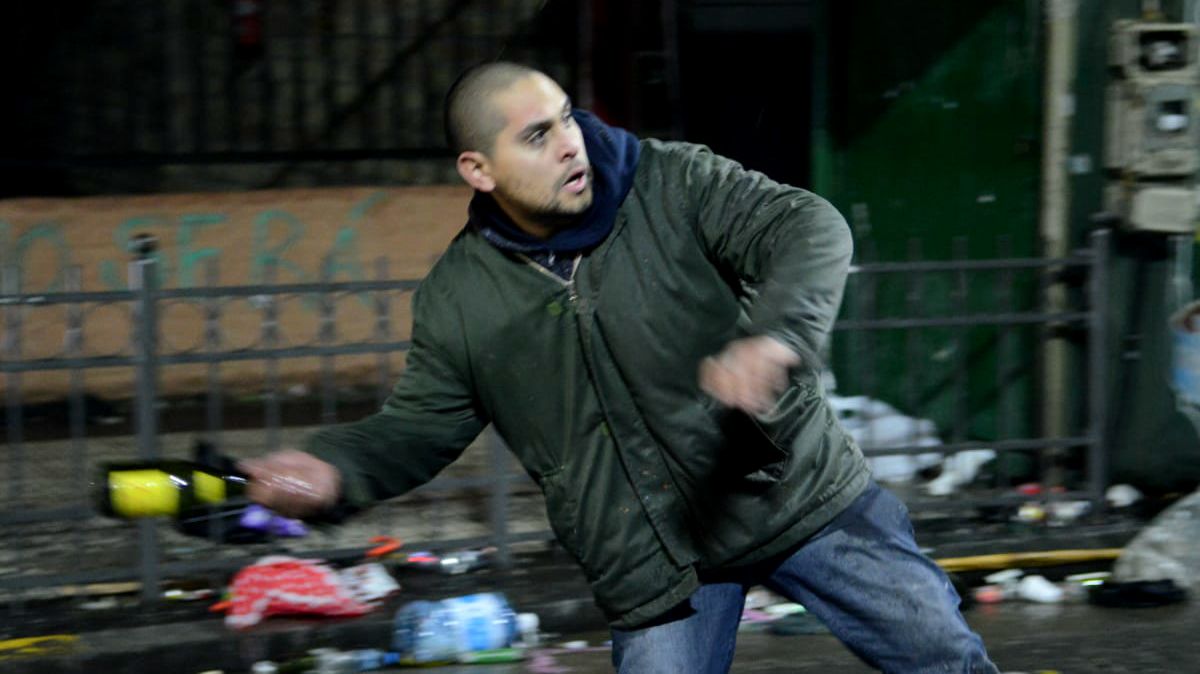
column 641, row 322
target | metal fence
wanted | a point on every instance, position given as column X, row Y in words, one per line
column 56, row 541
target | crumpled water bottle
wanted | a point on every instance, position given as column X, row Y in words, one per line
column 439, row 631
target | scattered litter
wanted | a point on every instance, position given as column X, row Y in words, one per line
column 1122, row 495
column 1136, row 594
column 527, row 629
column 989, row 594
column 755, row 616
column 177, row 594
column 492, row 656
column 451, row 563
column 264, row 667
column 783, row 609
column 426, row 632
column 1092, row 578
column 959, row 470
column 278, row 585
column 1038, row 589
column 759, row 597
column 875, row 424
column 1060, row 513
column 1030, row 512
column 574, row 645
column 1004, row 577
column 1029, row 489
column 102, row 604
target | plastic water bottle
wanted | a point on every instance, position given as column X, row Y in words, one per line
column 439, row 631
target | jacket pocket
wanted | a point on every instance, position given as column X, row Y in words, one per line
column 563, row 511
column 762, row 444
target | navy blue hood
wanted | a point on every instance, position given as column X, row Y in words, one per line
column 613, row 154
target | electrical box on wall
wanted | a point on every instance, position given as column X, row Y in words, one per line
column 1170, row 209
column 1145, row 51
column 1152, row 129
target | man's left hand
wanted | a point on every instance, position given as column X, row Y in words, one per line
column 749, row 374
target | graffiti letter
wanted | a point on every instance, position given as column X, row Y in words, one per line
column 188, row 258
column 51, row 233
column 262, row 257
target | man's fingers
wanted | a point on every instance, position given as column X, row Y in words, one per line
column 292, row 483
column 749, row 374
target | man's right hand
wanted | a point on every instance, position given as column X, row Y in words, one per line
column 292, row 483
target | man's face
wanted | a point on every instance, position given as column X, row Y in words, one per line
column 538, row 166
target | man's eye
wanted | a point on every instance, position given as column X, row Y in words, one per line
column 536, row 138
column 568, row 120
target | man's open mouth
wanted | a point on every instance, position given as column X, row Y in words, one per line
column 576, row 181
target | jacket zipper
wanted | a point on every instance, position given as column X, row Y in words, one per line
column 572, row 293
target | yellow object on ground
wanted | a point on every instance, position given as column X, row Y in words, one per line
column 34, row 646
column 1015, row 559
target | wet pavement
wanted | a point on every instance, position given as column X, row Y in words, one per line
column 1072, row 638
column 1069, row 639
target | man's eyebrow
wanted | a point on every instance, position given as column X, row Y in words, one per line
column 534, row 127
column 543, row 124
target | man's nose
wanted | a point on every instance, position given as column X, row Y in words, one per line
column 569, row 147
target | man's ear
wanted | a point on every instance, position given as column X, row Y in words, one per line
column 474, row 168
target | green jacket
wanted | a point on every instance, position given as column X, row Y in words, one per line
column 593, row 383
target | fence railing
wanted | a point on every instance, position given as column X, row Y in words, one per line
column 938, row 340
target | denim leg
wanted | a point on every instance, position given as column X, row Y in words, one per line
column 697, row 637
column 865, row 578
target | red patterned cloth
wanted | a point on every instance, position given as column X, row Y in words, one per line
column 281, row 585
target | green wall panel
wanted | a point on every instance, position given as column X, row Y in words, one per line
column 934, row 119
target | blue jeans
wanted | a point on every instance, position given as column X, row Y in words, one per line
column 861, row 575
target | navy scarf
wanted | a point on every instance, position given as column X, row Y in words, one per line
column 613, row 154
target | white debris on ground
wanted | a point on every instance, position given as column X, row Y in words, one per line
column 875, row 425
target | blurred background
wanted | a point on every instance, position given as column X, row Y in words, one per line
column 213, row 212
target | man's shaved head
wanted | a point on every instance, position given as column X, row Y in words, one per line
column 472, row 122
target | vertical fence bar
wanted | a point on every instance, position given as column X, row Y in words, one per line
column 383, row 331
column 501, row 484
column 961, row 344
column 214, row 393
column 912, row 346
column 15, row 428
column 1005, row 408
column 77, row 411
column 1098, row 368
column 327, row 335
column 867, row 310
column 270, row 340
column 143, row 280
column 10, row 284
